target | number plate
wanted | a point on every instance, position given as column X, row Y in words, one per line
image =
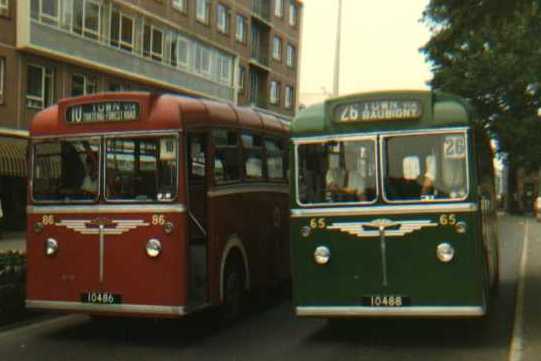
column 102, row 298
column 385, row 301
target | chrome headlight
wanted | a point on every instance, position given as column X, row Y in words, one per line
column 153, row 248
column 445, row 252
column 322, row 255
column 51, row 247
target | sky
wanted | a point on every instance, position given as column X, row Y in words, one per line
column 379, row 47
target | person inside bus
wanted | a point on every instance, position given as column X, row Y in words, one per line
column 427, row 181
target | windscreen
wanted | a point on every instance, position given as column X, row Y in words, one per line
column 425, row 167
column 337, row 172
column 66, row 170
column 141, row 169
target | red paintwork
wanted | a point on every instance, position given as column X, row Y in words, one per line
column 128, row 270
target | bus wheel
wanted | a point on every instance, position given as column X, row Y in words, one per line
column 233, row 291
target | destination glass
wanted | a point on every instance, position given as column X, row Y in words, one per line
column 337, row 172
column 425, row 167
column 66, row 170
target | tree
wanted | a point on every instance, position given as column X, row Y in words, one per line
column 489, row 51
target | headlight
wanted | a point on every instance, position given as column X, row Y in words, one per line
column 322, row 255
column 51, row 246
column 445, row 252
column 153, row 248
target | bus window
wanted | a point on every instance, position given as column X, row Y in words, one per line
column 253, row 156
column 141, row 169
column 66, row 171
column 275, row 159
column 337, row 172
column 425, row 167
column 226, row 156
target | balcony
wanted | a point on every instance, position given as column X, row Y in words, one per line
column 261, row 9
column 48, row 37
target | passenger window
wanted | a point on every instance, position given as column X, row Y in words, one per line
column 226, row 156
column 275, row 159
column 253, row 156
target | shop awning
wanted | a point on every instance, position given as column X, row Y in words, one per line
column 13, row 158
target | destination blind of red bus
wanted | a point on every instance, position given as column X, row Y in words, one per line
column 378, row 110
column 102, row 112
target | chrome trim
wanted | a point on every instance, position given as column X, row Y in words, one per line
column 352, row 136
column 348, row 137
column 385, row 210
column 197, row 223
column 428, row 311
column 16, row 133
column 102, row 250
column 461, row 130
column 248, row 188
column 107, row 134
column 109, row 208
column 121, row 308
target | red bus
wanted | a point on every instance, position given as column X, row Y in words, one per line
column 154, row 205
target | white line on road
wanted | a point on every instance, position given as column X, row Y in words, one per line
column 517, row 342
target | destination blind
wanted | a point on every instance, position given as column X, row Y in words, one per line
column 374, row 110
column 108, row 111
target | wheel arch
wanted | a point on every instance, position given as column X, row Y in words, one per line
column 232, row 244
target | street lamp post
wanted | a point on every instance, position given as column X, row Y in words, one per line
column 336, row 85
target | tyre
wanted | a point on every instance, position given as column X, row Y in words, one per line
column 233, row 290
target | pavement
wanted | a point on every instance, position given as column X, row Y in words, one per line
column 15, row 241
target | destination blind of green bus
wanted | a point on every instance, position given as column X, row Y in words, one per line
column 378, row 110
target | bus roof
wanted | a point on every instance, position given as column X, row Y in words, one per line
column 380, row 111
column 141, row 111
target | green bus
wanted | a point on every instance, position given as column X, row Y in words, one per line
column 392, row 208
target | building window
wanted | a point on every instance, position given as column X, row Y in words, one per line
column 46, row 11
column 4, row 7
column 240, row 33
column 83, row 85
column 292, row 13
column 224, row 68
column 279, row 8
column 242, row 79
column 202, row 11
column 39, row 87
column 2, row 78
column 122, row 34
column 222, row 18
column 288, row 100
column 276, row 48
column 274, row 92
column 290, row 61
column 179, row 4
column 183, row 52
column 202, row 59
column 86, row 18
column 152, row 42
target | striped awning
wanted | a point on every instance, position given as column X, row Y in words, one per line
column 13, row 158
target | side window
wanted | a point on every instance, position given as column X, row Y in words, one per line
column 226, row 156
column 253, row 156
column 197, row 157
column 275, row 159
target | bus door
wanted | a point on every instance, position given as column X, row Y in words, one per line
column 197, row 156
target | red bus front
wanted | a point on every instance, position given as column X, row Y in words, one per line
column 106, row 220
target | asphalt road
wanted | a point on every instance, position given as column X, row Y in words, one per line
column 273, row 333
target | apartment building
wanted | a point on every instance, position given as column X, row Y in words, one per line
column 241, row 51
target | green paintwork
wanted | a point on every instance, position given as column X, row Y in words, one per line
column 355, row 269
column 439, row 110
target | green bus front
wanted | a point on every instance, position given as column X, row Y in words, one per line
column 389, row 216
